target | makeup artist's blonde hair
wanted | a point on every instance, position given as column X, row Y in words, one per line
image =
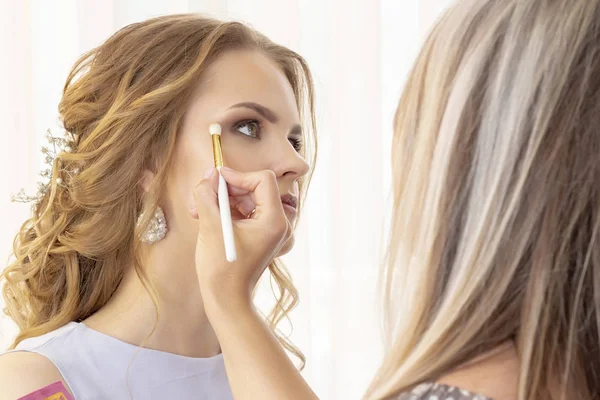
column 495, row 230
column 124, row 102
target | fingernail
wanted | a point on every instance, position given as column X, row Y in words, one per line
column 209, row 173
column 227, row 169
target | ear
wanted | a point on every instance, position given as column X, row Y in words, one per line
column 146, row 181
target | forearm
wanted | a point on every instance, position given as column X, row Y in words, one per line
column 256, row 363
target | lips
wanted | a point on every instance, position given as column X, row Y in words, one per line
column 290, row 200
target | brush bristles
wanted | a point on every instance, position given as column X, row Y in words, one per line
column 215, row 129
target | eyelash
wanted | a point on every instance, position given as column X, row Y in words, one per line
column 295, row 141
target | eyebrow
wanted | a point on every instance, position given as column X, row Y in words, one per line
column 262, row 110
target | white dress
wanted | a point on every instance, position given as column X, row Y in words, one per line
column 94, row 366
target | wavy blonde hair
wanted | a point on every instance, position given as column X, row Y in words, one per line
column 123, row 105
column 495, row 229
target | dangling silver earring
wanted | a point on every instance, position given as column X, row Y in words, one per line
column 157, row 229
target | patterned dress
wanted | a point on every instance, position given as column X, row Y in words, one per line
column 437, row 391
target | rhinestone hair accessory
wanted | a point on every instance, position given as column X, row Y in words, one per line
column 56, row 146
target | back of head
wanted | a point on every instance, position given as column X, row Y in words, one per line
column 122, row 107
column 495, row 234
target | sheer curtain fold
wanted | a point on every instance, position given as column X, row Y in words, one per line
column 360, row 52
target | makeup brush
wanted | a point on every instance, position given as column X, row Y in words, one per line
column 223, row 195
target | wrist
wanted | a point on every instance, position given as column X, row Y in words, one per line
column 226, row 303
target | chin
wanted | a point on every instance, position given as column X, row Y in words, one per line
column 287, row 247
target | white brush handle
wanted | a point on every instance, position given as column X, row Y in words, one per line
column 228, row 238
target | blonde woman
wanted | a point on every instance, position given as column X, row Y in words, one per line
column 494, row 260
column 103, row 286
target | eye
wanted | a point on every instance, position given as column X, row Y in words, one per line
column 250, row 128
column 297, row 143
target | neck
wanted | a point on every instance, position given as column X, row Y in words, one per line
column 180, row 326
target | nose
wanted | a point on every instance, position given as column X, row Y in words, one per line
column 288, row 163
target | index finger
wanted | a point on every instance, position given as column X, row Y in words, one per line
column 262, row 185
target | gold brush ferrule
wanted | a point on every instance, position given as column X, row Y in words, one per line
column 217, row 154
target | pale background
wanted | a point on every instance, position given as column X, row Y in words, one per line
column 360, row 52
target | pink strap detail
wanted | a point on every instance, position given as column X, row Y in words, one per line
column 55, row 391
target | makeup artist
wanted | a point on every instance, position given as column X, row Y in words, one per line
column 494, row 255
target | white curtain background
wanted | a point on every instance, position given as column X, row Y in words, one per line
column 360, row 52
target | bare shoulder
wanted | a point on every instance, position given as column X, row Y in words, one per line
column 22, row 373
column 494, row 375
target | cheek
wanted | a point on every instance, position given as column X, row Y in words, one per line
column 188, row 167
column 244, row 155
